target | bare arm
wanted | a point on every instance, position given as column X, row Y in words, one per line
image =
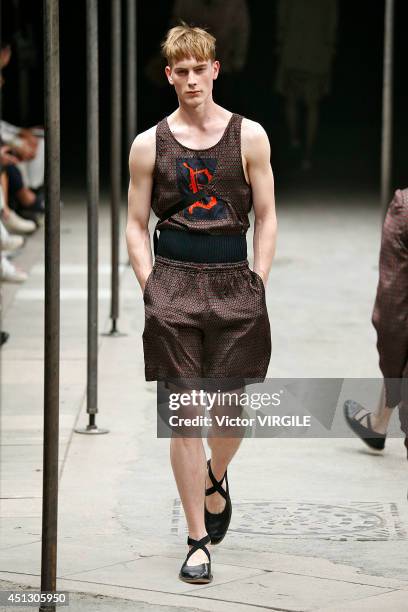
column 141, row 166
column 257, row 152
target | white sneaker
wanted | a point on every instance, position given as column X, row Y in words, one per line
column 8, row 242
column 11, row 243
column 10, row 273
column 17, row 225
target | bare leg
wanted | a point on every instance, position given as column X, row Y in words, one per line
column 379, row 419
column 188, row 461
column 223, row 449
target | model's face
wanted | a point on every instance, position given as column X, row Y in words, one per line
column 193, row 79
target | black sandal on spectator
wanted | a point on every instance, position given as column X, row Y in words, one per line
column 372, row 438
column 201, row 573
column 217, row 523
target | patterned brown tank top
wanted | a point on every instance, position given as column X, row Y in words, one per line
column 181, row 171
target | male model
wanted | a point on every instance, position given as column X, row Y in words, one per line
column 200, row 169
column 390, row 319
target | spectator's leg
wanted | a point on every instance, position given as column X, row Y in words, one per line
column 17, row 191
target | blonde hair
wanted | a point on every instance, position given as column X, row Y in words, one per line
column 185, row 41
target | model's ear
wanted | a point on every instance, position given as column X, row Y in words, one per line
column 216, row 68
column 168, row 74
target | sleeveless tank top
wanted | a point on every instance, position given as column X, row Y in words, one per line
column 181, row 171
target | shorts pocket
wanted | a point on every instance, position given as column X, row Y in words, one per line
column 259, row 280
column 148, row 281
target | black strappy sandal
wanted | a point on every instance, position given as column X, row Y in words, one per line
column 217, row 524
column 372, row 438
column 201, row 573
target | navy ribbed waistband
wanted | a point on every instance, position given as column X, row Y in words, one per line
column 202, row 248
column 195, row 266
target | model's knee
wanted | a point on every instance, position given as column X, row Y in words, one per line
column 187, row 438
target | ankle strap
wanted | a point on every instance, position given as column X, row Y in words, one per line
column 196, row 544
column 216, row 484
column 204, row 540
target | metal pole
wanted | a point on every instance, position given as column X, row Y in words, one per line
column 131, row 71
column 116, row 159
column 92, row 110
column 1, row 284
column 52, row 303
column 131, row 81
column 386, row 152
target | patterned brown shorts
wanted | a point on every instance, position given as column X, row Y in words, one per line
column 205, row 320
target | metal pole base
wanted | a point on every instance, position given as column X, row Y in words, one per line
column 91, row 429
column 113, row 331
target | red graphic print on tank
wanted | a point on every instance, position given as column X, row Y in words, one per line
column 218, row 169
column 192, row 174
